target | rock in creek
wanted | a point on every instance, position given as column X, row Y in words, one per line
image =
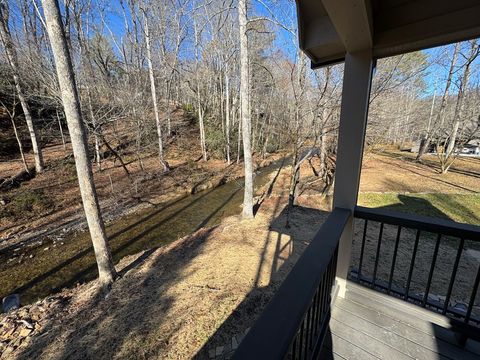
column 11, row 302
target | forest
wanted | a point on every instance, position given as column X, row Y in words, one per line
column 108, row 108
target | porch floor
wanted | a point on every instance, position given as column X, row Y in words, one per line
column 370, row 325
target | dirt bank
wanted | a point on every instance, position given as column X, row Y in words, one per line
column 51, row 201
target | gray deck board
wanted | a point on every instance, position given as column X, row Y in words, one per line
column 370, row 325
column 409, row 333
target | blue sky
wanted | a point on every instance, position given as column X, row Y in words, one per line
column 285, row 12
column 438, row 70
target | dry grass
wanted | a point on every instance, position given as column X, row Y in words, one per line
column 186, row 298
column 398, row 172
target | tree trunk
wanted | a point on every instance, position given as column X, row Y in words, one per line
column 323, row 152
column 201, row 126
column 200, row 111
column 96, row 131
column 227, row 116
column 460, row 99
column 19, row 142
column 154, row 93
column 453, row 138
column 71, row 104
column 425, row 142
column 13, row 62
column 245, row 110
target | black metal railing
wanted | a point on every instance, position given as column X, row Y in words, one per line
column 418, row 231
column 295, row 322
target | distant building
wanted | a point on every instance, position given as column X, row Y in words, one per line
column 471, row 148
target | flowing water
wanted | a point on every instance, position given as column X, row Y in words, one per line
column 37, row 271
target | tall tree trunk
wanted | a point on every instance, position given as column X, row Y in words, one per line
column 71, row 104
column 19, row 142
column 200, row 110
column 201, row 125
column 323, row 153
column 227, row 116
column 453, row 138
column 245, row 110
column 425, row 142
column 13, row 62
column 154, row 92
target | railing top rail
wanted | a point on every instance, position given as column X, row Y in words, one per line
column 424, row 223
column 273, row 332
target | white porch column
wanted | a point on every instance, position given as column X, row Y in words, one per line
column 353, row 119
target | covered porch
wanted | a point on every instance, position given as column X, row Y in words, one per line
column 377, row 301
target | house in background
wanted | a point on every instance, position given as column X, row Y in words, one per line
column 471, row 148
column 323, row 309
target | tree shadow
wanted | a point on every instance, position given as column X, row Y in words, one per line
column 412, row 204
column 136, row 306
column 416, row 205
column 434, row 165
column 81, row 275
column 139, row 304
column 432, row 177
column 268, row 192
column 282, row 247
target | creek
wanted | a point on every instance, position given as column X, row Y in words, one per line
column 66, row 259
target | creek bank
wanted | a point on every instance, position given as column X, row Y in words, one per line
column 48, row 264
column 18, row 326
column 142, row 197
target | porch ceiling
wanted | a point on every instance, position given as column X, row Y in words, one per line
column 330, row 28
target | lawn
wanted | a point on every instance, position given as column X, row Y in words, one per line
column 463, row 208
column 395, row 181
column 398, row 172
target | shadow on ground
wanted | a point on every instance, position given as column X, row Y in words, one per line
column 144, row 314
column 289, row 243
column 130, row 312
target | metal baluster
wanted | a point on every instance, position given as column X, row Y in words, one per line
column 362, row 250
column 329, row 280
column 454, row 274
column 325, row 295
column 319, row 305
column 308, row 340
column 432, row 268
column 394, row 260
column 472, row 298
column 316, row 312
column 412, row 264
column 294, row 348
column 301, row 340
column 380, row 234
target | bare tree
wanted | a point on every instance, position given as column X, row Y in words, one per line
column 12, row 115
column 71, row 104
column 13, row 62
column 153, row 90
column 438, row 123
column 245, row 110
column 447, row 155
